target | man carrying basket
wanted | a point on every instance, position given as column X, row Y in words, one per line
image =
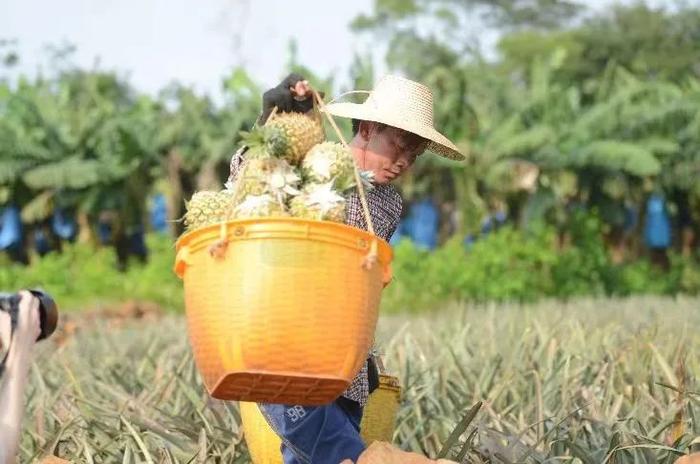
column 390, row 130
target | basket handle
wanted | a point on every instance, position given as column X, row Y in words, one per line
column 371, row 258
column 182, row 261
column 218, row 249
column 387, row 275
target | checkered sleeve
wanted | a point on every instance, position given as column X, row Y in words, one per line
column 385, row 206
column 235, row 166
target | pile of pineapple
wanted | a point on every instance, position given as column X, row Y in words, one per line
column 288, row 170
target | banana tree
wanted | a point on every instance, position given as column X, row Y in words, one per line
column 74, row 142
column 198, row 138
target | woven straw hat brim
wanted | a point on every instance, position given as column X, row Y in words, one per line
column 437, row 143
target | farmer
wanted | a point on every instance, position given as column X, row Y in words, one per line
column 390, row 130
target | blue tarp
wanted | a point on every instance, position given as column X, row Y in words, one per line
column 400, row 232
column 657, row 227
column 41, row 242
column 424, row 223
column 493, row 222
column 159, row 214
column 137, row 242
column 10, row 228
column 63, row 225
column 631, row 218
column 104, row 232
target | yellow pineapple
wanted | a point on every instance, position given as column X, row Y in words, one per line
column 330, row 161
column 268, row 175
column 206, row 208
column 287, row 135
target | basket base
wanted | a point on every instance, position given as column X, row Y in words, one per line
column 263, row 387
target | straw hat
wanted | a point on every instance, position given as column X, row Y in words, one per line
column 402, row 103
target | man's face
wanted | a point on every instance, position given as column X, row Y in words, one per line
column 387, row 151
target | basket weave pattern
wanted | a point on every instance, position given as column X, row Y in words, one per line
column 288, row 314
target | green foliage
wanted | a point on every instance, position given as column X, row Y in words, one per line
column 646, row 40
column 605, row 98
column 582, row 268
column 82, row 276
column 597, row 111
column 507, row 265
column 619, row 157
column 642, row 277
column 514, row 265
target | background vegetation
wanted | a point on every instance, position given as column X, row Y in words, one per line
column 574, row 111
column 572, row 123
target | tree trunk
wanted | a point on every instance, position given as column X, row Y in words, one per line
column 208, row 177
column 85, row 232
column 176, row 205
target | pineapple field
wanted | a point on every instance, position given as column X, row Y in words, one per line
column 590, row 381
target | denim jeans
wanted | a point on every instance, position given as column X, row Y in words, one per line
column 317, row 434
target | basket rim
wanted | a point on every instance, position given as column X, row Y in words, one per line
column 191, row 238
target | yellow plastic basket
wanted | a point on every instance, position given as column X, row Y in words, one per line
column 378, row 423
column 285, row 312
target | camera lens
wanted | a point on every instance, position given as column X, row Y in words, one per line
column 48, row 314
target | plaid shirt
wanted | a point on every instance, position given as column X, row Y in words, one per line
column 385, row 206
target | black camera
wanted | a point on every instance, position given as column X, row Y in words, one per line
column 48, row 312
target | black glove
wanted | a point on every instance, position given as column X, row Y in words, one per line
column 286, row 98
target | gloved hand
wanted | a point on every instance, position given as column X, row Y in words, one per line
column 292, row 95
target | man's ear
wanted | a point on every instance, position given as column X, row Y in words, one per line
column 365, row 130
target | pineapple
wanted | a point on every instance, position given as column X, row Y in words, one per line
column 287, row 135
column 330, row 161
column 206, row 208
column 267, row 175
column 254, row 206
column 320, row 202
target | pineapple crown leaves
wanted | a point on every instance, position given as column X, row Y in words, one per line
column 323, row 196
column 367, row 178
column 269, row 139
column 283, row 180
column 254, row 138
column 346, row 183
